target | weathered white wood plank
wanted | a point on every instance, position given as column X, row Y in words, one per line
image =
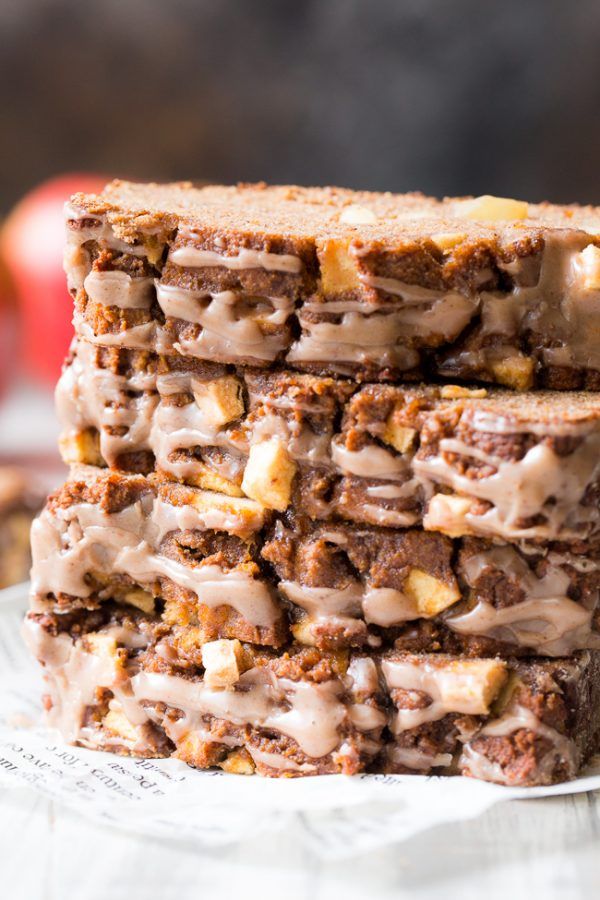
column 545, row 848
column 26, row 839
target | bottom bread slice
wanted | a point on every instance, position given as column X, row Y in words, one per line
column 112, row 685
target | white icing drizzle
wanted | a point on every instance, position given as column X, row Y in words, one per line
column 387, row 518
column 180, row 428
column 300, row 440
column 88, row 396
column 391, row 517
column 553, row 626
column 318, row 305
column 103, row 234
column 71, row 542
column 286, row 401
column 413, row 758
column 279, row 762
column 233, row 326
column 356, row 339
column 451, row 689
column 146, row 336
column 390, row 491
column 245, row 258
column 379, row 333
column 547, row 620
column 388, row 606
column 540, row 483
column 494, row 422
column 310, row 714
column 409, row 293
column 325, row 602
column 371, row 461
column 558, row 305
column 580, row 564
column 77, row 260
column 243, row 519
column 365, row 717
column 115, row 288
column 562, row 751
column 378, row 606
column 76, row 213
column 73, row 675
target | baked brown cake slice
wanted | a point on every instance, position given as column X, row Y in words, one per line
column 516, row 723
column 456, row 460
column 211, row 566
column 112, row 685
column 379, row 286
column 359, row 586
column 190, row 554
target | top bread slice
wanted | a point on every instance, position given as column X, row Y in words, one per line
column 380, row 286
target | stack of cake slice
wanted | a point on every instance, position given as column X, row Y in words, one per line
column 300, row 535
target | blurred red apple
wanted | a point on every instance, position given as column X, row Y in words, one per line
column 8, row 327
column 31, row 245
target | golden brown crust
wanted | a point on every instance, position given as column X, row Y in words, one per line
column 306, row 213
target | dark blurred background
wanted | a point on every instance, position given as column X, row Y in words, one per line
column 445, row 96
column 448, row 96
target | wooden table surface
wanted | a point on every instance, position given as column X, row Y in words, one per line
column 536, row 849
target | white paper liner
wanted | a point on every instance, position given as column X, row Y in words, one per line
column 335, row 815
